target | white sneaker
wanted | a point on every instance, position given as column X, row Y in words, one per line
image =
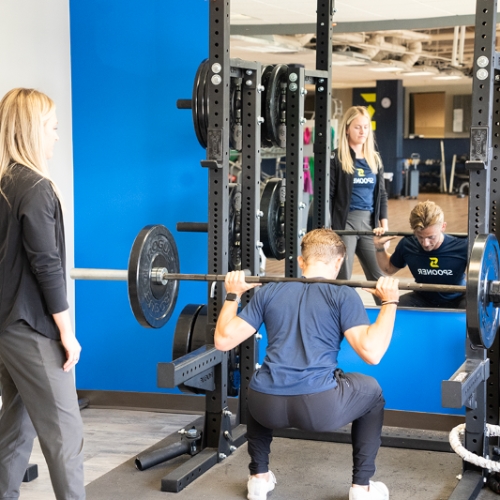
column 258, row 488
column 377, row 491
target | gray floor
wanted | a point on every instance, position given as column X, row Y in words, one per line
column 304, row 469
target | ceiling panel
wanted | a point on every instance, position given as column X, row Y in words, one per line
column 304, row 11
column 266, row 31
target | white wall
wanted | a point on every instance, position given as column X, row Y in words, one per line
column 35, row 53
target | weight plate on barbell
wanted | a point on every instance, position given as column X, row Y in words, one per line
column 152, row 303
column 272, row 222
column 484, row 267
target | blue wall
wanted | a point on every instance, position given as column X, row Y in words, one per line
column 427, row 347
column 137, row 162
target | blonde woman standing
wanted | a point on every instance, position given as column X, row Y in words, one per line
column 38, row 348
column 358, row 198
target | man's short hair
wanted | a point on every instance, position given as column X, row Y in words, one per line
column 425, row 214
column 322, row 245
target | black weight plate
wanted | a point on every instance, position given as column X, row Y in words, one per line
column 196, row 106
column 184, row 330
column 203, row 104
column 198, row 340
column 272, row 222
column 275, row 108
column 235, row 128
column 152, row 303
column 484, row 267
column 199, row 336
column 190, row 334
column 183, row 338
column 234, row 263
column 265, row 133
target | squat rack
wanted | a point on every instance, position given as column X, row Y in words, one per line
column 219, row 435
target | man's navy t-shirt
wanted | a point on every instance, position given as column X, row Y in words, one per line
column 444, row 266
column 305, row 325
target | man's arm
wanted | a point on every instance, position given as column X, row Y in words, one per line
column 372, row 341
column 231, row 330
column 384, row 257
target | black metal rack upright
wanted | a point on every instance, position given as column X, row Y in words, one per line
column 296, row 90
column 250, row 204
column 482, row 405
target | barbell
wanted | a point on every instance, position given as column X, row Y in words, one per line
column 348, row 232
column 153, row 282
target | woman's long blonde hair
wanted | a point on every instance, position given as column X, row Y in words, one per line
column 344, row 151
column 23, row 114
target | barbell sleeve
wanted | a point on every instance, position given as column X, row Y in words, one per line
column 99, row 274
column 163, row 275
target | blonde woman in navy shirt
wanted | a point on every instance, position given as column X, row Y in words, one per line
column 358, row 198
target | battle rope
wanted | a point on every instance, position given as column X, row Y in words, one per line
column 468, row 456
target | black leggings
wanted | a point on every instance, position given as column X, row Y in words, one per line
column 357, row 399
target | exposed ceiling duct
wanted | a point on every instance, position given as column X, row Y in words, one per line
column 397, row 51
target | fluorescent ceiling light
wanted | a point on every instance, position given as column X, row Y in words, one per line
column 347, row 62
column 271, row 49
column 449, row 74
column 266, row 44
column 418, row 73
column 447, row 77
column 349, row 58
column 235, row 16
column 385, row 68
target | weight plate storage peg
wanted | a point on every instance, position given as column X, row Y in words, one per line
column 483, row 269
column 153, row 298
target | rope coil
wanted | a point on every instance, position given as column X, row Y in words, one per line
column 468, row 456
